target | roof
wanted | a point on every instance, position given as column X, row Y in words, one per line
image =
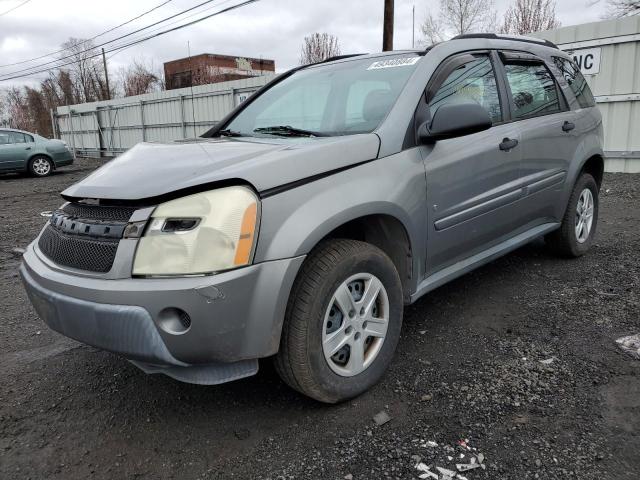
column 470, row 36
column 6, row 129
column 226, row 57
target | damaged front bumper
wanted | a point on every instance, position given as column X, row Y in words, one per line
column 234, row 317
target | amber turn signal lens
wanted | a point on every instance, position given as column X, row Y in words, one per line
column 247, row 231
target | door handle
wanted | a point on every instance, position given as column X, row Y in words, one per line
column 28, row 148
column 508, row 144
column 568, row 126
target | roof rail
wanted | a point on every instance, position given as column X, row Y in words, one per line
column 516, row 38
column 341, row 57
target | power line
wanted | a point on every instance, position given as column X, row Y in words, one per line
column 110, row 41
column 233, row 7
column 117, row 51
column 14, row 8
column 88, row 40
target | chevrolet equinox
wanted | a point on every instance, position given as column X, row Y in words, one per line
column 300, row 225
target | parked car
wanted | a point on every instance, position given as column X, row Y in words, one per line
column 29, row 152
column 300, row 225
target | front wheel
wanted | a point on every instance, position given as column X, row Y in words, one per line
column 342, row 323
column 578, row 228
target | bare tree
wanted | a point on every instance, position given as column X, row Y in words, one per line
column 432, row 30
column 468, row 16
column 138, row 79
column 457, row 17
column 39, row 121
column 623, row 8
column 317, row 47
column 4, row 114
column 17, row 109
column 526, row 16
column 87, row 70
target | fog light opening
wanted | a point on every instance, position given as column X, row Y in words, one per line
column 174, row 320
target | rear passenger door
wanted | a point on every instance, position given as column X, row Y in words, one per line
column 472, row 181
column 548, row 134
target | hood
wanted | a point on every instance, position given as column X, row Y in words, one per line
column 152, row 169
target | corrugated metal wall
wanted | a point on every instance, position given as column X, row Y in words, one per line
column 111, row 127
column 616, row 86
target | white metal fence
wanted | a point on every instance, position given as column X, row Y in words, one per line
column 109, row 128
column 610, row 55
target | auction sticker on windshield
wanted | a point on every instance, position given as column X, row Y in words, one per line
column 394, row 62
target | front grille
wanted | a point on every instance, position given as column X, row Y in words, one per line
column 95, row 255
column 99, row 212
column 85, row 237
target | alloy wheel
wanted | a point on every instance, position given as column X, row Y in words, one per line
column 41, row 166
column 584, row 215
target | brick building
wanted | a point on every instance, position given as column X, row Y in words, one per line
column 212, row 68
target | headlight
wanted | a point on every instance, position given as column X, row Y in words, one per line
column 202, row 233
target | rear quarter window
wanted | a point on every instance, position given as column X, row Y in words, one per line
column 576, row 81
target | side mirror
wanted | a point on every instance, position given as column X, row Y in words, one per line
column 455, row 120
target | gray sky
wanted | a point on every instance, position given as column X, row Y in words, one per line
column 270, row 28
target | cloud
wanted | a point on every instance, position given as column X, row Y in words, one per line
column 271, row 29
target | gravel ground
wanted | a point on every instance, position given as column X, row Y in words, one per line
column 468, row 366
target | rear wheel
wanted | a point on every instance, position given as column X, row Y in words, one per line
column 40, row 166
column 342, row 323
column 576, row 233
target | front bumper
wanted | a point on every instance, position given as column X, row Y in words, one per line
column 236, row 316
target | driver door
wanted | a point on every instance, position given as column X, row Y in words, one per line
column 472, row 181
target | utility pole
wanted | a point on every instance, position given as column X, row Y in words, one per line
column 106, row 75
column 413, row 28
column 387, row 32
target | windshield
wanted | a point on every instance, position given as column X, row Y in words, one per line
column 340, row 99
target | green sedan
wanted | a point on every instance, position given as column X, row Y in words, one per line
column 29, row 152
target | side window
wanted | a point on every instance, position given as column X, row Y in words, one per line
column 4, row 137
column 533, row 89
column 16, row 137
column 576, row 81
column 474, row 81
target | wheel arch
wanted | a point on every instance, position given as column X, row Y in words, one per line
column 385, row 232
column 594, row 166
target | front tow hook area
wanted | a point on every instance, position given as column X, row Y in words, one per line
column 209, row 374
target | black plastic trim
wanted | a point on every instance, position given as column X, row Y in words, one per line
column 270, row 192
column 562, row 100
column 494, row 36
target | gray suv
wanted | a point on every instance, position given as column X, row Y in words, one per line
column 300, row 225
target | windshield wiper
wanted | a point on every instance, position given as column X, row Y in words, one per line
column 229, row 133
column 287, row 130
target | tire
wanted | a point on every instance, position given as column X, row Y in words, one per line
column 314, row 310
column 40, row 166
column 566, row 241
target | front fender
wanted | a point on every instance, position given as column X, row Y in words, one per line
column 294, row 221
